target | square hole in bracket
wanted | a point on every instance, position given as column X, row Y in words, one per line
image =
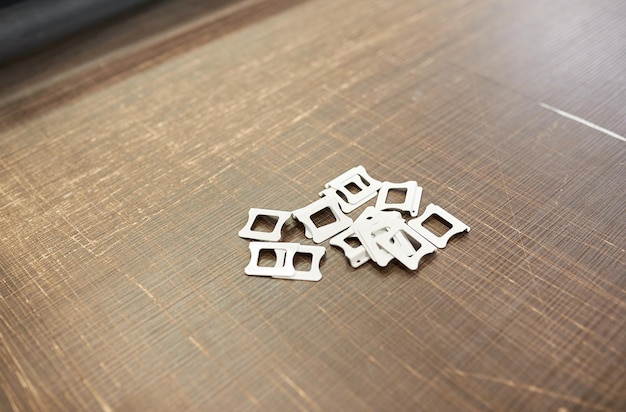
column 396, row 195
column 264, row 223
column 353, row 188
column 437, row 225
column 303, row 261
column 353, row 241
column 267, row 258
column 323, row 218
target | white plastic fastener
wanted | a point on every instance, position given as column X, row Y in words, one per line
column 412, row 197
column 248, row 233
column 439, row 241
column 320, row 234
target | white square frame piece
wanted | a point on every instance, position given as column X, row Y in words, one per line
column 439, row 241
column 368, row 187
column 411, row 260
column 320, row 234
column 412, row 198
column 314, row 274
column 372, row 223
column 284, row 259
column 357, row 256
column 272, row 236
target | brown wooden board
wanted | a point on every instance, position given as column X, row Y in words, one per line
column 130, row 155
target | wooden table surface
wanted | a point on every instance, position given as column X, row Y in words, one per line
column 131, row 153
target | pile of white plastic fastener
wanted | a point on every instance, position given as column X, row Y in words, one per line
column 380, row 232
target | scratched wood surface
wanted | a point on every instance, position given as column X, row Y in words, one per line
column 130, row 155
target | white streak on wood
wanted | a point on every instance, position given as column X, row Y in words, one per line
column 582, row 121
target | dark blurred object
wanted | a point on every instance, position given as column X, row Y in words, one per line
column 29, row 25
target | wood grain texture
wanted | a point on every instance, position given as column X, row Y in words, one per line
column 128, row 166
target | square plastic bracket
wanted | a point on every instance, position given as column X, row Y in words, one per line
column 314, row 274
column 440, row 241
column 372, row 223
column 355, row 177
column 284, row 259
column 412, row 197
column 356, row 255
column 320, row 234
column 284, row 267
column 411, row 260
column 248, row 233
